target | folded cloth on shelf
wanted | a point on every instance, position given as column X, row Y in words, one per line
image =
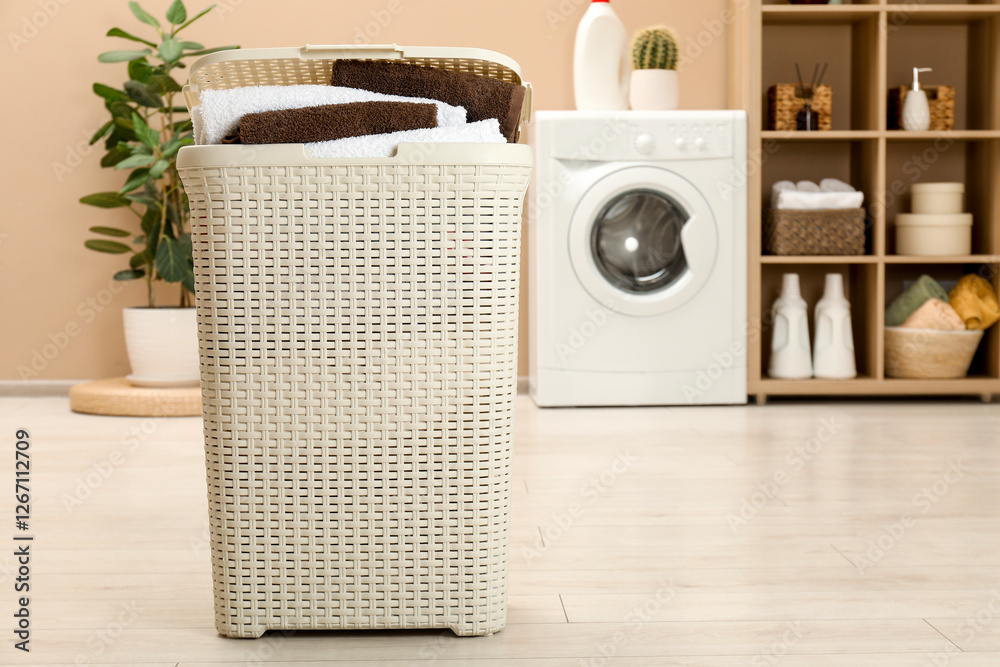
column 334, row 121
column 484, row 97
column 219, row 111
column 797, row 199
column 975, row 301
column 835, row 185
column 384, row 145
column 777, row 189
column 907, row 303
column 934, row 314
column 806, row 186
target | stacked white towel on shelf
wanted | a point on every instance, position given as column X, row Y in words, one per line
column 830, row 193
column 219, row 111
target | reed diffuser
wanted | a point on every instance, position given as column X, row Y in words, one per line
column 806, row 119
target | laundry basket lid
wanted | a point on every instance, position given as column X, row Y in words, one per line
column 312, row 64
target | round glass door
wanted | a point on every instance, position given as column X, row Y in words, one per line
column 636, row 241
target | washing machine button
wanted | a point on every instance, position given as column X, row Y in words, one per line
column 680, row 142
column 699, row 142
column 645, row 144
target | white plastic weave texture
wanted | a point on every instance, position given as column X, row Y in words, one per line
column 358, row 337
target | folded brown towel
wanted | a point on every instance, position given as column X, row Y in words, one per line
column 335, row 121
column 483, row 97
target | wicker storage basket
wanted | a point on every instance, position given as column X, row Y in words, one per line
column 783, row 104
column 940, row 100
column 928, row 354
column 816, row 232
column 358, row 333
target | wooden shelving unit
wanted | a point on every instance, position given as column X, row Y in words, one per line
column 871, row 48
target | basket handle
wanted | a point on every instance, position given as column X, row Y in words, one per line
column 358, row 52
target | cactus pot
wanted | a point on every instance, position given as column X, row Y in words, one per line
column 162, row 346
column 654, row 90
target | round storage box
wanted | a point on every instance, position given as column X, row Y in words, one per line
column 937, row 197
column 934, row 234
column 929, row 354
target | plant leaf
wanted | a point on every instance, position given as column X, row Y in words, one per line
column 156, row 171
column 177, row 14
column 110, row 231
column 129, row 274
column 188, row 281
column 163, row 83
column 102, row 132
column 109, row 93
column 140, row 70
column 138, row 160
column 171, row 263
column 122, row 56
column 120, row 109
column 118, row 32
column 105, row 200
column 102, row 245
column 191, row 46
column 146, row 201
column 170, row 50
column 140, row 259
column 145, row 133
column 197, row 16
column 114, row 156
column 141, row 94
column 202, row 52
column 143, row 15
column 135, row 179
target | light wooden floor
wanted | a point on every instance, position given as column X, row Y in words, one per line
column 804, row 534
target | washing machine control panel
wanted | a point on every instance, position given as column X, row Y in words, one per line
column 681, row 141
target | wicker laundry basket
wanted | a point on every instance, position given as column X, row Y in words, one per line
column 358, row 333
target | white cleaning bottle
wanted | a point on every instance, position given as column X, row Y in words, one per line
column 600, row 60
column 790, row 358
column 916, row 112
column 833, row 355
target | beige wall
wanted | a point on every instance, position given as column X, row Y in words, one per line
column 57, row 299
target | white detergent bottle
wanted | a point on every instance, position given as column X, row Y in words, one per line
column 834, row 350
column 601, row 60
column 790, row 357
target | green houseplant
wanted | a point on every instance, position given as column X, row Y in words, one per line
column 148, row 125
column 146, row 128
column 654, row 80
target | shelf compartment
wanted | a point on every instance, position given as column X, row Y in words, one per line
column 910, row 161
column 864, row 386
column 818, row 259
column 854, row 162
column 943, row 259
column 781, row 14
column 939, row 14
column 855, row 105
column 865, row 320
column 961, row 48
column 899, row 276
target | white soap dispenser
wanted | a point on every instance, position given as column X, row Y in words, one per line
column 916, row 112
column 601, row 60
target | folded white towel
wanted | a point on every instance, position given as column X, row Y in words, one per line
column 806, row 186
column 384, row 145
column 219, row 111
column 835, row 185
column 819, row 200
column 777, row 188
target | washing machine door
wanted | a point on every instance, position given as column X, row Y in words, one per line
column 643, row 241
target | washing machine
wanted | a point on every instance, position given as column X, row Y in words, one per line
column 637, row 258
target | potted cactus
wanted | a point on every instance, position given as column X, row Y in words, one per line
column 654, row 79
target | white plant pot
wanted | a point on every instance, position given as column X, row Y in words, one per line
column 654, row 90
column 162, row 346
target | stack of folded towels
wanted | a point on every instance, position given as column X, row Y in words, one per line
column 971, row 305
column 830, row 193
column 369, row 108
